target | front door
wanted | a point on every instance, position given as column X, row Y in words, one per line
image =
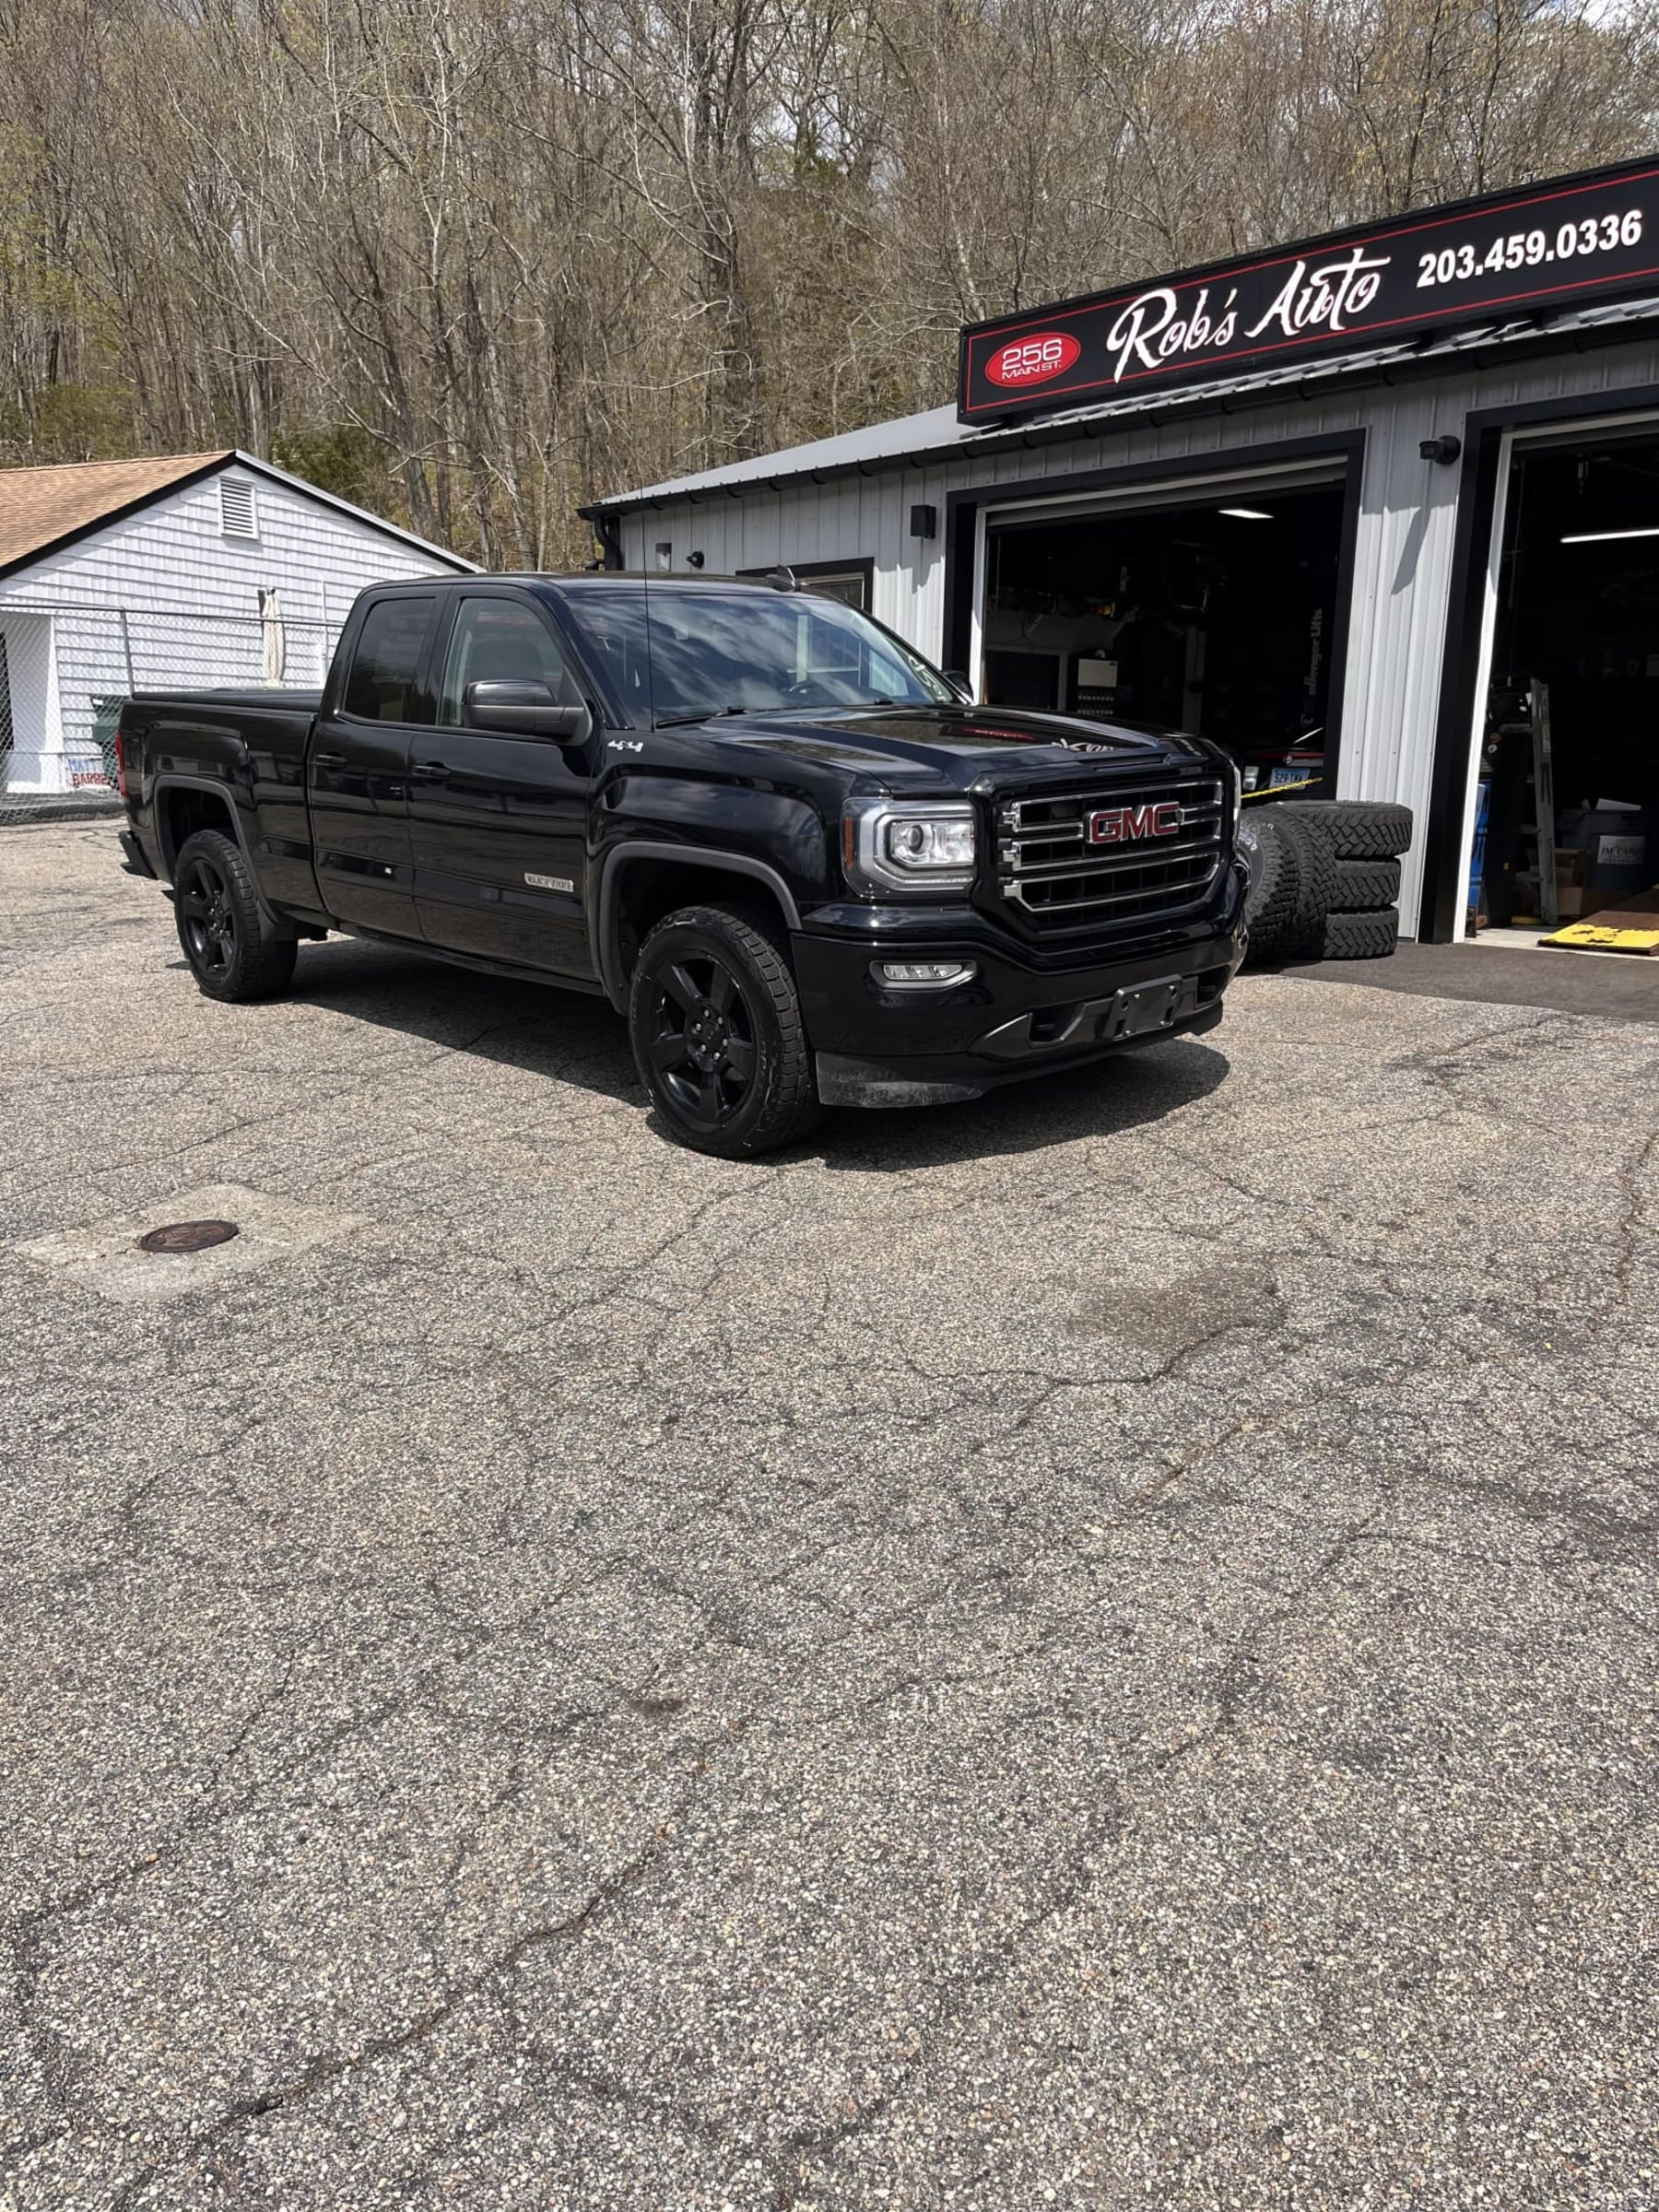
column 358, row 768
column 498, row 822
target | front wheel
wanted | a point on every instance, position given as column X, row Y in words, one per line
column 717, row 1032
column 234, row 948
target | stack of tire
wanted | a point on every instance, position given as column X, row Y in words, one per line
column 1324, row 878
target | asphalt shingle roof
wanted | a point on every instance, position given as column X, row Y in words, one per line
column 40, row 506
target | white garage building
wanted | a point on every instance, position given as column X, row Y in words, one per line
column 1357, row 509
column 188, row 570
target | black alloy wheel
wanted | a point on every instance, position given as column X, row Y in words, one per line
column 206, row 918
column 702, row 1040
column 716, row 1021
column 238, row 950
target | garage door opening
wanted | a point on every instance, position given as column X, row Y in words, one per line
column 1568, row 805
column 1212, row 613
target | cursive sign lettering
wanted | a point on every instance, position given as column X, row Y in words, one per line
column 1153, row 317
column 1329, row 296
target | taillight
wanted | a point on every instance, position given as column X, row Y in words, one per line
column 120, row 782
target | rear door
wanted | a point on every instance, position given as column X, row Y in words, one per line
column 358, row 768
column 499, row 822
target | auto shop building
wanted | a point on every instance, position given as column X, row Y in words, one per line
column 1379, row 513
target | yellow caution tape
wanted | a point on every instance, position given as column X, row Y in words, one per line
column 1589, row 936
column 1277, row 790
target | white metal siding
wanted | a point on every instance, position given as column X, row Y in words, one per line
column 171, row 571
column 1403, row 556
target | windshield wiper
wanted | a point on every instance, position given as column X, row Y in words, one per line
column 680, row 721
column 838, row 706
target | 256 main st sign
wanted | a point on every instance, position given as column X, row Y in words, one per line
column 1513, row 254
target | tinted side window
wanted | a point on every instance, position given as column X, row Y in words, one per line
column 381, row 686
column 498, row 640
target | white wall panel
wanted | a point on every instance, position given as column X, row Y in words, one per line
column 190, row 598
column 1403, row 556
column 37, row 762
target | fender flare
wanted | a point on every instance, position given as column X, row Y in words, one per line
column 695, row 856
column 168, row 780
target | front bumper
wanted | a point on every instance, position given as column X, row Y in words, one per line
column 1028, row 1010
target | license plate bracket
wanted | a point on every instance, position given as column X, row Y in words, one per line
column 1142, row 1009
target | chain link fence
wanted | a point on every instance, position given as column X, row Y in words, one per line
column 65, row 671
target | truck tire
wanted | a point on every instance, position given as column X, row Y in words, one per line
column 1271, row 900
column 1357, row 829
column 1362, row 937
column 235, row 950
column 1315, row 881
column 718, row 1038
column 1365, row 886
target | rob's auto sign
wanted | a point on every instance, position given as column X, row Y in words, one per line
column 1519, row 252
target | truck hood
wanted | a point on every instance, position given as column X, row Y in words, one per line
column 899, row 748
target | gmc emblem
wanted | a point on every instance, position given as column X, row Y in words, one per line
column 1127, row 825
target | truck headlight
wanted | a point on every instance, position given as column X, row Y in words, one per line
column 908, row 847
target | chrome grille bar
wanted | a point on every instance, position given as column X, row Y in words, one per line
column 1048, row 866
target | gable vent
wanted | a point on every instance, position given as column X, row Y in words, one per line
column 236, row 508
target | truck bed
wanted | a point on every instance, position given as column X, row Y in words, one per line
column 263, row 697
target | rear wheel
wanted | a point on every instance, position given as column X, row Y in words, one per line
column 235, row 950
column 717, row 1032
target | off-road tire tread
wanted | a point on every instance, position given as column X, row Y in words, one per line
column 1270, row 903
column 792, row 1109
column 266, row 954
column 1365, row 886
column 1315, row 881
column 1362, row 937
column 1355, row 828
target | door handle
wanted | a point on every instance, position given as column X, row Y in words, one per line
column 328, row 759
column 430, row 771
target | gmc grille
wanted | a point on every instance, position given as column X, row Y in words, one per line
column 1047, row 865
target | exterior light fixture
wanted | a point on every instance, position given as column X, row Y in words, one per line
column 1443, row 449
column 924, row 975
column 1246, row 514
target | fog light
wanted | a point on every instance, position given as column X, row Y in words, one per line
column 924, row 975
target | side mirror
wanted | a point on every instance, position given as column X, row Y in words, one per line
column 524, row 710
column 959, row 681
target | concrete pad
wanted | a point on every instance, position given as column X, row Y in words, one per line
column 105, row 1257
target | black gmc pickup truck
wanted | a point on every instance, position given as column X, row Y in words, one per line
column 797, row 858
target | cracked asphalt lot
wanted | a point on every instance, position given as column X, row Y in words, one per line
column 1095, row 1649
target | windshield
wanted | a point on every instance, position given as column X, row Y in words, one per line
column 746, row 651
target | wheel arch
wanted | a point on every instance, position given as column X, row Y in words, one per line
column 184, row 805
column 643, row 880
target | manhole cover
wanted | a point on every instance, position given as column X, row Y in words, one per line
column 187, row 1236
